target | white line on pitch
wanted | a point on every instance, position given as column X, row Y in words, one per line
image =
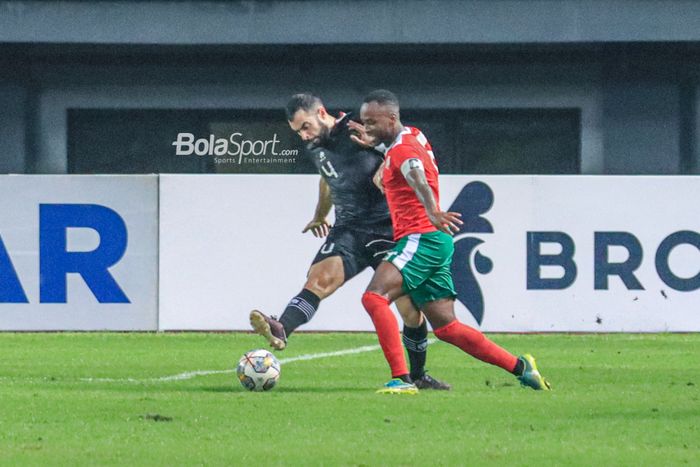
column 193, row 374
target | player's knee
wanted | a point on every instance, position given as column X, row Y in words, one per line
column 412, row 320
column 323, row 284
column 371, row 301
column 440, row 312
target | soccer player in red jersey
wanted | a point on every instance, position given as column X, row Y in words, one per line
column 419, row 264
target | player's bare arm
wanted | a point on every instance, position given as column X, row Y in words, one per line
column 414, row 173
column 319, row 225
column 378, row 178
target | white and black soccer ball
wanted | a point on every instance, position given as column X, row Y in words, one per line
column 258, row 370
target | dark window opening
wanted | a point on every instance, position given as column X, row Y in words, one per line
column 482, row 141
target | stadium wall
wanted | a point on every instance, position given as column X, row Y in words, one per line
column 555, row 253
column 630, row 66
column 631, row 122
column 13, row 124
column 343, row 22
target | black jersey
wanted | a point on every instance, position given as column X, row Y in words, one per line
column 348, row 169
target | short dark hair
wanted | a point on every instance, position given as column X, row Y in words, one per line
column 382, row 97
column 305, row 101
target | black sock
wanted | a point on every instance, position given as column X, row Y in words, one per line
column 300, row 310
column 416, row 342
column 519, row 368
column 405, row 378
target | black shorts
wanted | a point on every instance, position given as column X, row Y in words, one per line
column 358, row 249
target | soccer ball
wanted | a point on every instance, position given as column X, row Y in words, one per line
column 258, row 370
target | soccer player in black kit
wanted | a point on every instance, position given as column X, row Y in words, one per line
column 361, row 236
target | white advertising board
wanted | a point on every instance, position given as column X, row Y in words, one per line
column 231, row 243
column 537, row 253
column 78, row 252
column 579, row 253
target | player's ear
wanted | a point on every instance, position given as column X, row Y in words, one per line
column 322, row 112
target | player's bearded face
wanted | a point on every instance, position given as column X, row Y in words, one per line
column 310, row 127
column 321, row 135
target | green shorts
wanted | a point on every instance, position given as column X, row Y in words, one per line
column 424, row 261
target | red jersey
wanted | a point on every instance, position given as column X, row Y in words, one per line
column 407, row 213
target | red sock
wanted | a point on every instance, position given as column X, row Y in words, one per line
column 387, row 331
column 476, row 344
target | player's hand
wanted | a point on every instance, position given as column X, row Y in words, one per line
column 358, row 134
column 319, row 228
column 378, row 178
column 447, row 222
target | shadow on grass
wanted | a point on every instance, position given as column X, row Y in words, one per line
column 284, row 389
column 169, row 387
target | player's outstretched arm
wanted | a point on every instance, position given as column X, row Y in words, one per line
column 413, row 172
column 319, row 226
column 359, row 135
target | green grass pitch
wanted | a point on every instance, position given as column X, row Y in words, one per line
column 617, row 400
